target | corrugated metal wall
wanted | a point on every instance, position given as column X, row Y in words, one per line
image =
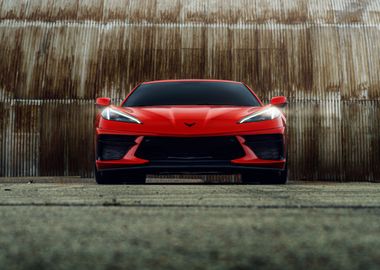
column 58, row 56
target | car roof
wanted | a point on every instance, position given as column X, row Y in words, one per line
column 190, row 80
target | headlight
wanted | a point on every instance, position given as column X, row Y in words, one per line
column 115, row 115
column 267, row 114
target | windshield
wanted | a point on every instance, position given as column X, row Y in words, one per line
column 191, row 93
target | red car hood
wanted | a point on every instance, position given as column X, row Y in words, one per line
column 188, row 120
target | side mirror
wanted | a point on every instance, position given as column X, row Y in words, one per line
column 103, row 102
column 279, row 101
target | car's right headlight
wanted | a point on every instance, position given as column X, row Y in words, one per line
column 266, row 114
column 115, row 115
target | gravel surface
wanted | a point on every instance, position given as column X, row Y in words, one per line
column 79, row 225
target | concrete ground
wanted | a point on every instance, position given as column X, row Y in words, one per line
column 76, row 224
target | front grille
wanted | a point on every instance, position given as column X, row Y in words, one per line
column 269, row 146
column 114, row 147
column 195, row 148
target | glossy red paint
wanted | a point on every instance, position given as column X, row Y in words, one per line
column 170, row 120
column 103, row 101
column 279, row 101
column 206, row 120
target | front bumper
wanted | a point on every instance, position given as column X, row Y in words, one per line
column 249, row 162
column 224, row 167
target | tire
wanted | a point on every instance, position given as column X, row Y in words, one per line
column 249, row 178
column 276, row 178
column 109, row 178
column 280, row 178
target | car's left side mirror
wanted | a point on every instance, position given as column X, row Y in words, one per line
column 103, row 102
column 279, row 101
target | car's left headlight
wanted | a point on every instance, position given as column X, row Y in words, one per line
column 266, row 114
column 115, row 115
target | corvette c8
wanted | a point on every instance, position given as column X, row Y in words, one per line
column 191, row 126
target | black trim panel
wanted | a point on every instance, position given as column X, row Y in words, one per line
column 211, row 168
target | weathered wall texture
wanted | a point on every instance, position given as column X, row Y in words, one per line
column 58, row 56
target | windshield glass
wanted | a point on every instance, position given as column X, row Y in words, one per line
column 191, row 93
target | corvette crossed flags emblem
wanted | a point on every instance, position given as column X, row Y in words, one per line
column 189, row 124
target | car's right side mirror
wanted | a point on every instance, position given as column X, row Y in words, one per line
column 103, row 102
column 279, row 101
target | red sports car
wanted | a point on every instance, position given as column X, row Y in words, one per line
column 191, row 126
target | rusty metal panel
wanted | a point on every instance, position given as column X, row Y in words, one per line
column 85, row 60
column 58, row 56
column 184, row 11
column 330, row 140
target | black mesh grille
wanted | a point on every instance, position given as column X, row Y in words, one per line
column 196, row 148
column 114, row 147
column 269, row 146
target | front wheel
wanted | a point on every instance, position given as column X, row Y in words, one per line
column 275, row 178
column 110, row 178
